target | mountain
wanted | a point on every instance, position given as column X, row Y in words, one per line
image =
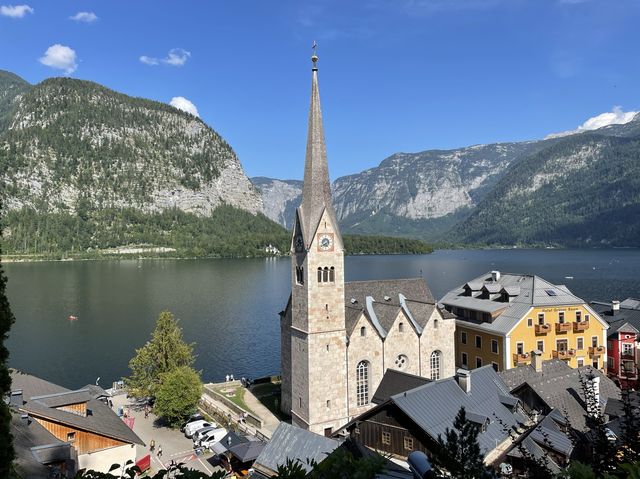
column 576, row 190
column 279, row 197
column 74, row 144
column 581, row 191
column 11, row 87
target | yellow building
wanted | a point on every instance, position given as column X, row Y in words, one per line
column 502, row 318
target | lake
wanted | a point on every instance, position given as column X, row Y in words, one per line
column 229, row 308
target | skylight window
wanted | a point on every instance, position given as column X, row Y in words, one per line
column 550, row 292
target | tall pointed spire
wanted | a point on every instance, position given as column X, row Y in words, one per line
column 316, row 191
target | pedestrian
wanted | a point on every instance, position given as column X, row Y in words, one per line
column 152, row 445
column 146, row 413
column 227, row 378
column 231, row 376
column 159, row 450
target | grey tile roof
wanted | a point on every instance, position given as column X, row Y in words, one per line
column 63, row 398
column 434, row 406
column 387, row 298
column 627, row 318
column 247, row 451
column 549, row 434
column 26, row 437
column 291, row 442
column 395, row 382
column 559, row 386
column 101, row 420
column 531, row 291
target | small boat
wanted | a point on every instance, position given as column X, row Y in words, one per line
column 568, row 277
column 72, row 318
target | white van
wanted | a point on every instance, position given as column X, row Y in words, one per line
column 201, row 432
column 211, row 437
column 192, row 427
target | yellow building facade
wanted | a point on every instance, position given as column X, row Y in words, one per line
column 503, row 318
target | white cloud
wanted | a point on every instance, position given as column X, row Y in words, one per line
column 149, row 60
column 86, row 17
column 176, row 57
column 15, row 11
column 181, row 103
column 60, row 57
column 614, row 117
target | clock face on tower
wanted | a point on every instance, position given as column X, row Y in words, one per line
column 325, row 242
column 299, row 244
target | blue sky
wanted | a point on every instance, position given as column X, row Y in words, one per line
column 395, row 75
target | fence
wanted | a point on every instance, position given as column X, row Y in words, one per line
column 223, row 418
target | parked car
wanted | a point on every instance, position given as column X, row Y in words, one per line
column 194, row 426
column 211, row 437
column 194, row 417
column 201, row 432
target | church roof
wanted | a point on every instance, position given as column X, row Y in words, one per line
column 382, row 300
column 316, row 190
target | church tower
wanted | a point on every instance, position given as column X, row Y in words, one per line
column 317, row 335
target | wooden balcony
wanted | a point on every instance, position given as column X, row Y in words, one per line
column 563, row 327
column 521, row 358
column 567, row 354
column 596, row 350
column 578, row 327
column 543, row 328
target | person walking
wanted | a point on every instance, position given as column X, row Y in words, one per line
column 152, row 445
column 146, row 412
column 159, row 450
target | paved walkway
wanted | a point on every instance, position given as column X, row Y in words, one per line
column 269, row 421
column 175, row 446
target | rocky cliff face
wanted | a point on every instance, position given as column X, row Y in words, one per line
column 74, row 145
column 280, row 198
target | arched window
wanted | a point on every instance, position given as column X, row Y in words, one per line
column 401, row 327
column 434, row 362
column 362, row 383
column 319, row 275
column 325, row 275
column 332, row 274
column 300, row 274
column 363, row 331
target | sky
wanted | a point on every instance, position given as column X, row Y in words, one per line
column 395, row 75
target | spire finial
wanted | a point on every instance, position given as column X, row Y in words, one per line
column 314, row 57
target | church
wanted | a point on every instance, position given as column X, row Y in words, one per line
column 337, row 338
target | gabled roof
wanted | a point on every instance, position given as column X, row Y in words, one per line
column 63, row 398
column 526, row 291
column 434, row 406
column 626, row 319
column 381, row 301
column 395, row 382
column 560, row 387
column 291, row 442
column 101, row 420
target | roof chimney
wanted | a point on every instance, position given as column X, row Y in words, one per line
column 615, row 306
column 536, row 360
column 464, row 379
column 16, row 398
column 495, row 276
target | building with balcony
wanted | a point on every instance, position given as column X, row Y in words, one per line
column 502, row 318
column 623, row 339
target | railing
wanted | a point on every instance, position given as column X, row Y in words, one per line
column 521, row 358
column 566, row 354
column 628, row 355
column 563, row 327
column 543, row 328
column 580, row 326
column 596, row 350
column 224, row 419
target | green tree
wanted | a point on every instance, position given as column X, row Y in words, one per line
column 165, row 352
column 7, row 453
column 459, row 453
column 178, row 394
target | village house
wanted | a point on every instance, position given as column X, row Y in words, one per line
column 623, row 339
column 66, row 430
column 502, row 317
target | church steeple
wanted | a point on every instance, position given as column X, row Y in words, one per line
column 316, row 191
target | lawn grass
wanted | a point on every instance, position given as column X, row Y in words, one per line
column 237, row 398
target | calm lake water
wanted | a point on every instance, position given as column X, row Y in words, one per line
column 229, row 308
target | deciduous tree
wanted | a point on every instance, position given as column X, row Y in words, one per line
column 178, row 394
